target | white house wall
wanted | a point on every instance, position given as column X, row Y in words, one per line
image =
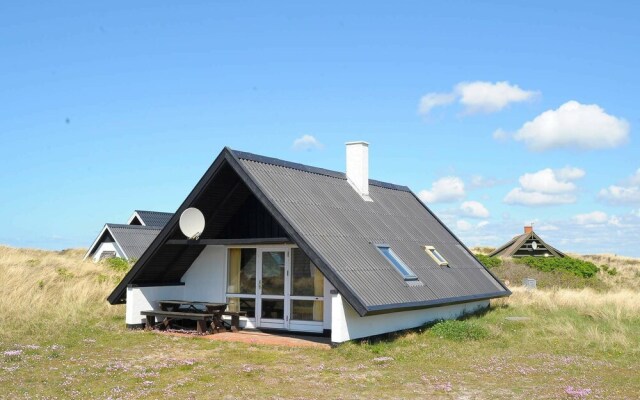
column 347, row 324
column 146, row 298
column 206, row 279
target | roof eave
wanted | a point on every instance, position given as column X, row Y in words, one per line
column 389, row 308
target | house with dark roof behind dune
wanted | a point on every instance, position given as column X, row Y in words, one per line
column 128, row 240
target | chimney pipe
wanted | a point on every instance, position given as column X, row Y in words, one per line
column 528, row 229
column 358, row 167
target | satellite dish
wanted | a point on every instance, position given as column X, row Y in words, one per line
column 192, row 223
column 534, row 245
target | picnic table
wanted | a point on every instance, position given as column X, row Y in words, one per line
column 204, row 313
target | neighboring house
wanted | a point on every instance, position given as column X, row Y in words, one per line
column 527, row 244
column 130, row 240
column 306, row 249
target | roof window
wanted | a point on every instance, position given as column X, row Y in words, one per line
column 437, row 257
column 406, row 273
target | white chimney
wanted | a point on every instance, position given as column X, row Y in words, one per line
column 358, row 167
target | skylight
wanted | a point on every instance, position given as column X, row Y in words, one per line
column 406, row 273
column 437, row 257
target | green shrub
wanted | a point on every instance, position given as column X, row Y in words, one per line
column 64, row 273
column 118, row 264
column 604, row 267
column 581, row 268
column 612, row 272
column 489, row 262
column 459, row 330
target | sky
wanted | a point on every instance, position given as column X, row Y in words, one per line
column 496, row 114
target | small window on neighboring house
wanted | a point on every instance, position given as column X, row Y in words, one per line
column 406, row 273
column 437, row 257
column 107, row 254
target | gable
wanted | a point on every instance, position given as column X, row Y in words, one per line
column 231, row 212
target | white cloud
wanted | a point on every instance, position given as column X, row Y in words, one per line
column 482, row 182
column 477, row 97
column 474, row 209
column 551, row 181
column 592, row 218
column 490, row 97
column 546, row 228
column 626, row 193
column 597, row 218
column 535, row 199
column 464, row 225
column 546, row 187
column 621, row 194
column 447, row 189
column 636, row 212
column 431, row 100
column 570, row 173
column 307, row 142
column 500, row 135
column 574, row 125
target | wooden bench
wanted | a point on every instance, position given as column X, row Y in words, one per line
column 200, row 318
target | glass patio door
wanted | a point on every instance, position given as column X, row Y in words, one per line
column 272, row 305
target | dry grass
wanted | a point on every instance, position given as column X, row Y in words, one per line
column 44, row 293
column 613, row 305
column 627, row 269
column 59, row 338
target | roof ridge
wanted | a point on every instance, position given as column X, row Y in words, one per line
column 149, row 211
column 311, row 169
column 155, row 227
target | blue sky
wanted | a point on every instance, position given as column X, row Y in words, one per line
column 497, row 114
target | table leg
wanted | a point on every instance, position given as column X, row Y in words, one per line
column 151, row 322
column 235, row 322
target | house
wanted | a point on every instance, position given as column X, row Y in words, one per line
column 129, row 240
column 305, row 249
column 527, row 244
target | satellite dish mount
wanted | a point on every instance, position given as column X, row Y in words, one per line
column 192, row 223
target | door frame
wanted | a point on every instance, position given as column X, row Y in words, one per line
column 272, row 323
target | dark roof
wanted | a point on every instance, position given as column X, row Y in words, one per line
column 154, row 218
column 132, row 239
column 522, row 243
column 321, row 213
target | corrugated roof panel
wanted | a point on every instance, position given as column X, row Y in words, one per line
column 133, row 239
column 154, row 218
column 339, row 225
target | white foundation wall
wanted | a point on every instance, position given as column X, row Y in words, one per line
column 206, row 279
column 146, row 298
column 346, row 324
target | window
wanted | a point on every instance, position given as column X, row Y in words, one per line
column 406, row 273
column 437, row 257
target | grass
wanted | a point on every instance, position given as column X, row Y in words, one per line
column 566, row 343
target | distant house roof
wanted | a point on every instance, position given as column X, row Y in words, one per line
column 131, row 240
column 149, row 218
column 319, row 211
column 522, row 246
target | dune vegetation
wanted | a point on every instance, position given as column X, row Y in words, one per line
column 59, row 338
